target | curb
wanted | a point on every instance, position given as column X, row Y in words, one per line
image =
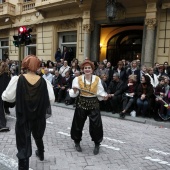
column 148, row 121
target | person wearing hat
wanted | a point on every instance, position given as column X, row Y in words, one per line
column 88, row 89
column 32, row 94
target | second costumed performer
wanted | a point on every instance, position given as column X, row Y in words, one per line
column 88, row 90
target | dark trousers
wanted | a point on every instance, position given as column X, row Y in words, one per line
column 127, row 102
column 2, row 115
column 95, row 124
column 23, row 136
column 116, row 102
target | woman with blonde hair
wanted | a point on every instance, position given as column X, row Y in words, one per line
column 129, row 94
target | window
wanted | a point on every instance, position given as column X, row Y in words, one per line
column 4, row 48
column 69, row 40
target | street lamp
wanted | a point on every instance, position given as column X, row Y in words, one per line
column 111, row 9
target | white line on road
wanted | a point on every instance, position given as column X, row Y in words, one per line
column 118, row 141
column 9, row 162
column 110, row 147
column 13, row 117
column 161, row 152
column 62, row 133
column 157, row 160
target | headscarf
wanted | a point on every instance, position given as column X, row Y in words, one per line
column 31, row 63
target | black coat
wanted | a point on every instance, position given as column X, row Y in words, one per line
column 115, row 87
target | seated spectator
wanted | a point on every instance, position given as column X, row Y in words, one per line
column 129, row 94
column 66, row 83
column 104, row 104
column 145, row 94
column 64, row 69
column 160, row 97
column 73, row 68
column 153, row 77
column 56, row 82
column 115, row 93
column 47, row 75
column 39, row 72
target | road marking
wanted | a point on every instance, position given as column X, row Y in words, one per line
column 13, row 117
column 62, row 133
column 161, row 152
column 9, row 162
column 118, row 141
column 70, row 129
column 157, row 160
column 110, row 147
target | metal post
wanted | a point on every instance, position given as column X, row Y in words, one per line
column 19, row 55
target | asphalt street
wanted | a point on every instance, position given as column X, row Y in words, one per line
column 128, row 144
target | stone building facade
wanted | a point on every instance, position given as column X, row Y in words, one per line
column 139, row 30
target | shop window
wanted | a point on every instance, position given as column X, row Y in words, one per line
column 4, row 48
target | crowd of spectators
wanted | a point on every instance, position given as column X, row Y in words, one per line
column 130, row 85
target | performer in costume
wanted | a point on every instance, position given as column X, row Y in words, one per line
column 4, row 80
column 32, row 94
column 88, row 89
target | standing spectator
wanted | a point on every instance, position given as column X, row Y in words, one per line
column 4, row 80
column 32, row 95
column 58, row 55
column 155, row 70
column 88, row 87
column 64, row 69
column 110, row 72
column 161, row 71
column 47, row 75
column 101, row 70
column 73, row 68
column 121, row 71
column 66, row 56
column 134, row 70
column 166, row 68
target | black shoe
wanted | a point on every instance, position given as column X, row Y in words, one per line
column 96, row 149
column 7, row 111
column 23, row 164
column 40, row 155
column 113, row 112
column 122, row 115
column 4, row 129
column 78, row 147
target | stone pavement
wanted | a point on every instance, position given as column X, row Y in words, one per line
column 127, row 145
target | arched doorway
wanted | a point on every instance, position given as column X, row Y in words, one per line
column 125, row 45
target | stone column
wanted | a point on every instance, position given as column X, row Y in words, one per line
column 150, row 42
column 87, row 33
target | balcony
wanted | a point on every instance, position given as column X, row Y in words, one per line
column 7, row 10
column 48, row 5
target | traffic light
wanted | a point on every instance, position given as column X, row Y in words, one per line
column 24, row 35
column 16, row 42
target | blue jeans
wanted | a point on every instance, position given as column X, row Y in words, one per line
column 142, row 106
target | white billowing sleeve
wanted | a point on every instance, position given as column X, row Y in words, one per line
column 50, row 91
column 100, row 91
column 9, row 94
column 75, row 84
